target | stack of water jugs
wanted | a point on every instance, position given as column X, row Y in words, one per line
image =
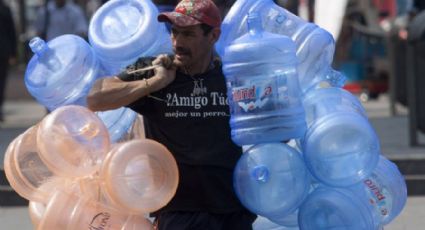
column 63, row 70
column 281, row 87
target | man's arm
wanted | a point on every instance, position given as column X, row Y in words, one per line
column 111, row 92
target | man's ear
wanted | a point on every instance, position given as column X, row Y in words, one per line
column 215, row 34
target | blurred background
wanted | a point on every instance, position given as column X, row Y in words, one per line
column 380, row 47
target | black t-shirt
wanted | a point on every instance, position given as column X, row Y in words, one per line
column 191, row 118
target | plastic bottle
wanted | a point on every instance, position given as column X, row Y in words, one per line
column 263, row 89
column 123, row 30
column 271, row 180
column 118, row 122
column 69, row 211
column 139, row 176
column 340, row 146
column 315, row 46
column 72, row 141
column 262, row 223
column 27, row 174
column 367, row 205
column 61, row 72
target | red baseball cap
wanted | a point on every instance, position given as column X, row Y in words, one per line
column 193, row 12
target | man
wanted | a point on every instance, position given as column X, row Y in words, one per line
column 60, row 17
column 184, row 105
column 8, row 43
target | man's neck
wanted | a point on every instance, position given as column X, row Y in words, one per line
column 200, row 66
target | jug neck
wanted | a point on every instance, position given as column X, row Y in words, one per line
column 46, row 56
column 255, row 26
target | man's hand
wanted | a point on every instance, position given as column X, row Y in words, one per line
column 165, row 73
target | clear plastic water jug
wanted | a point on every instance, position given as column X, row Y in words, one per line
column 315, row 46
column 61, row 72
column 118, row 122
column 121, row 31
column 264, row 94
column 72, row 141
column 374, row 202
column 70, row 211
column 271, row 179
column 340, row 146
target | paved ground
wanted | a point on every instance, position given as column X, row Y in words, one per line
column 22, row 112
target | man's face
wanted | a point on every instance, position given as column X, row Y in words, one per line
column 190, row 45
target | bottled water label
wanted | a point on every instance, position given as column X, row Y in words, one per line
column 378, row 196
column 254, row 95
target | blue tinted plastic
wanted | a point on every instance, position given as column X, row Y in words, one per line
column 261, row 74
column 123, row 30
column 61, row 72
column 262, row 223
column 367, row 205
column 118, row 122
column 340, row 147
column 315, row 46
column 271, row 179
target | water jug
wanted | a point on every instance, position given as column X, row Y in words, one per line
column 61, row 72
column 315, row 46
column 118, row 122
column 123, row 30
column 340, row 146
column 27, row 174
column 271, row 179
column 374, row 202
column 72, row 141
column 140, row 176
column 262, row 223
column 69, row 211
column 263, row 89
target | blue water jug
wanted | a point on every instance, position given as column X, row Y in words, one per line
column 118, row 122
column 315, row 46
column 340, row 146
column 262, row 83
column 271, row 179
column 123, row 30
column 61, row 72
column 370, row 204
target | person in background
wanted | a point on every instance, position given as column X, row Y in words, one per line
column 59, row 17
column 183, row 103
column 7, row 50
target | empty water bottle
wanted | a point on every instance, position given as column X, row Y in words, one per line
column 271, row 180
column 340, row 146
column 367, row 205
column 263, row 89
column 70, row 211
column 123, row 30
column 72, row 141
column 315, row 46
column 118, row 122
column 61, row 72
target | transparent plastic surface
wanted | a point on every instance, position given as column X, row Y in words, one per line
column 367, row 205
column 261, row 75
column 69, row 211
column 271, row 180
column 121, row 31
column 315, row 46
column 262, row 223
column 340, row 147
column 140, row 176
column 118, row 122
column 24, row 169
column 72, row 141
column 36, row 211
column 61, row 72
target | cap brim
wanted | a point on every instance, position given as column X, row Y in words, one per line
column 178, row 19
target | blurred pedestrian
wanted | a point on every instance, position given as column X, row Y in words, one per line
column 59, row 17
column 7, row 49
